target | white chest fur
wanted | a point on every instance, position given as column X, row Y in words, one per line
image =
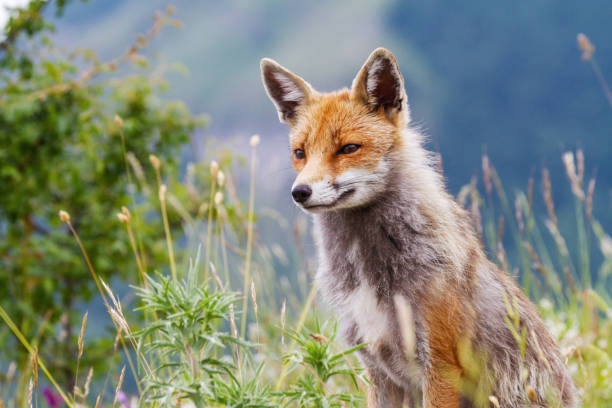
column 361, row 307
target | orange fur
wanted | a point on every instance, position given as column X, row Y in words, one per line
column 331, row 121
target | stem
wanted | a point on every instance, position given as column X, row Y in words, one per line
column 602, row 81
column 247, row 264
column 97, row 281
column 224, row 255
column 30, row 349
column 583, row 246
column 209, row 232
column 137, row 255
column 162, row 200
column 311, row 295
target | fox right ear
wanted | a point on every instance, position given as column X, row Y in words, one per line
column 288, row 91
column 379, row 85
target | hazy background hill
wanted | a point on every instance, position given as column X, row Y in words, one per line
column 503, row 78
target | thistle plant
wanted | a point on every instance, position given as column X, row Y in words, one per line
column 329, row 378
column 187, row 346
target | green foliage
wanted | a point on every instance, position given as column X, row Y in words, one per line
column 319, row 386
column 185, row 337
column 186, row 353
column 60, row 149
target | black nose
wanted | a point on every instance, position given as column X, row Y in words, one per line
column 301, row 193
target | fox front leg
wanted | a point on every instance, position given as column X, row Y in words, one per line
column 383, row 392
column 438, row 392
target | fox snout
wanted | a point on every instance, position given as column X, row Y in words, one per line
column 321, row 195
column 352, row 188
column 301, row 193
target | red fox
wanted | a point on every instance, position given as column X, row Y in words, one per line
column 391, row 240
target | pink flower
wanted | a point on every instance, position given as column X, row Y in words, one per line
column 52, row 398
column 123, row 399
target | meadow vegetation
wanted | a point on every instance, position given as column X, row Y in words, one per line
column 93, row 206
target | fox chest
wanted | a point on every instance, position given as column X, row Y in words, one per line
column 364, row 318
column 345, row 278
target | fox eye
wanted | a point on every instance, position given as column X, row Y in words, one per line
column 299, row 154
column 349, row 148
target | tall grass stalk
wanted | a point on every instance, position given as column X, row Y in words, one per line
column 214, row 169
column 524, row 257
column 162, row 201
column 249, row 246
column 588, row 49
column 65, row 217
column 131, row 184
column 301, row 321
column 9, row 322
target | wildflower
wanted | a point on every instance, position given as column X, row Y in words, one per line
column 123, row 400
column 52, row 398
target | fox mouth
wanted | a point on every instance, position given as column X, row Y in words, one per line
column 345, row 194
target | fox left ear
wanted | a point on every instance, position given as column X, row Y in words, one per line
column 288, row 91
column 379, row 85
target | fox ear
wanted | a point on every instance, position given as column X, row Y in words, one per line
column 379, row 84
column 288, row 91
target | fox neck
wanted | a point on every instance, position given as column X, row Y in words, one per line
column 413, row 224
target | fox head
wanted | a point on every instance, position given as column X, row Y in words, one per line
column 341, row 142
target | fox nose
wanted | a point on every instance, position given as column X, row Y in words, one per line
column 301, row 193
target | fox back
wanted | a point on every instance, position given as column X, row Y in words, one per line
column 399, row 258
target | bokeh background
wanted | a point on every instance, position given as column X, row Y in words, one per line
column 503, row 78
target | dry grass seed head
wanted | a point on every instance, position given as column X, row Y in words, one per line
column 64, row 216
column 547, row 192
column 486, row 171
column 82, row 334
column 254, row 297
column 570, row 169
column 585, row 45
column 155, row 161
column 589, row 200
column 88, row 382
column 119, row 384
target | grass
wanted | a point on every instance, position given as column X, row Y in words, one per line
column 183, row 346
column 189, row 350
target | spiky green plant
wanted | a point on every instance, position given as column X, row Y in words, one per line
column 327, row 372
column 188, row 346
